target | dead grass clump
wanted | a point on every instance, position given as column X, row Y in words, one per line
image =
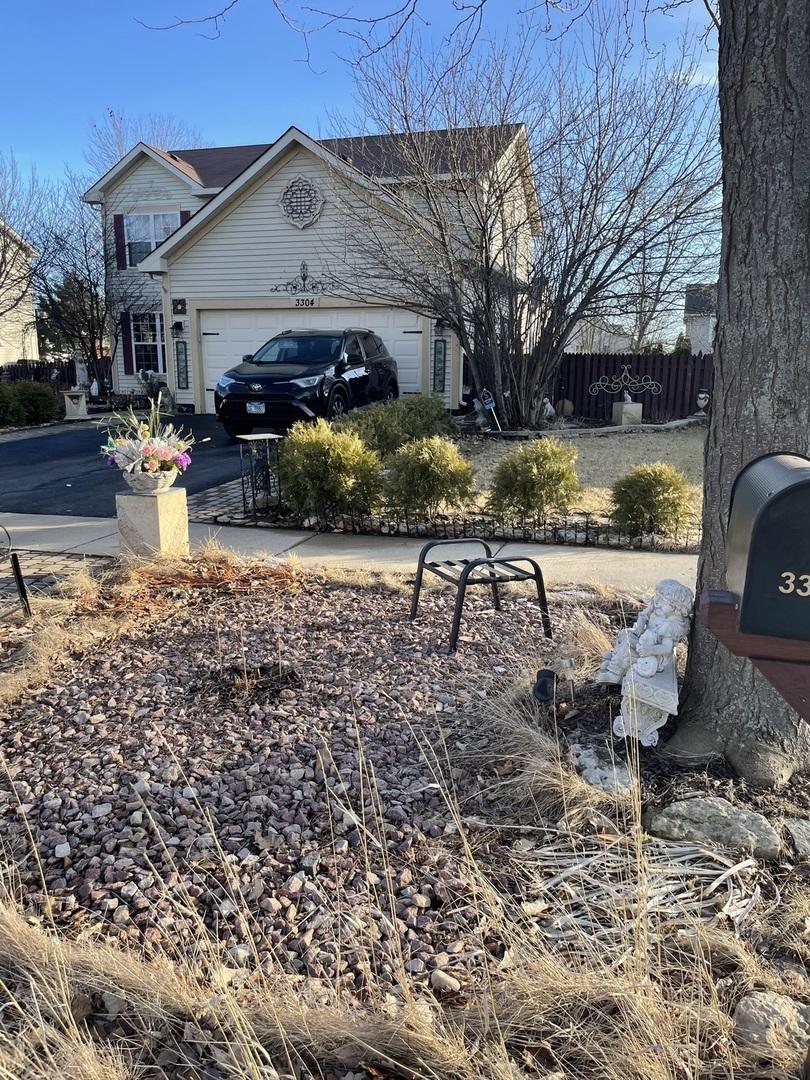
column 528, row 765
column 66, row 1007
column 58, row 631
column 585, row 639
column 600, row 1024
column 211, row 568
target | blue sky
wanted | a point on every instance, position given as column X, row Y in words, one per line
column 65, row 63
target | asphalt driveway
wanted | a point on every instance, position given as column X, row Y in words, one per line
column 62, row 472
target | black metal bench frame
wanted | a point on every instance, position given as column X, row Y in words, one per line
column 487, row 570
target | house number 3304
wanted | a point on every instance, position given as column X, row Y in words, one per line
column 789, row 583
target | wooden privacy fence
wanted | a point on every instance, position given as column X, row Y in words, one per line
column 666, row 384
column 56, row 372
column 59, row 373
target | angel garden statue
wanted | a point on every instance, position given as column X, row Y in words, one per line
column 643, row 662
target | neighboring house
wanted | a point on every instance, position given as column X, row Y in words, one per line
column 598, row 336
column 216, row 250
column 700, row 316
column 18, row 335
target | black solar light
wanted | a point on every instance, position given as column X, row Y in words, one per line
column 545, row 686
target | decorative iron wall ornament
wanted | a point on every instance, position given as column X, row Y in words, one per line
column 303, row 283
column 634, row 384
column 301, row 202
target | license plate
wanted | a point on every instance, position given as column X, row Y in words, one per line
column 255, row 407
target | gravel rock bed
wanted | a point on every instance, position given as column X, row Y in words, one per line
column 261, row 776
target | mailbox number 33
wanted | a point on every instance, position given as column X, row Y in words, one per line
column 789, row 584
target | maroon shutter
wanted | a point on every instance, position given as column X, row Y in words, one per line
column 184, row 216
column 126, row 343
column 120, row 242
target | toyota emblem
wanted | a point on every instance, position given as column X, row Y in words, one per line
column 257, row 386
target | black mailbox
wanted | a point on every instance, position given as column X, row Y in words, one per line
column 768, row 546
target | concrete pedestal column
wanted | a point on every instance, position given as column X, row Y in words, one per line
column 75, row 405
column 153, row 524
column 627, row 412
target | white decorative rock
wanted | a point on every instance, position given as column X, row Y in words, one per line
column 713, row 820
column 626, row 413
column 773, row 1025
column 151, row 525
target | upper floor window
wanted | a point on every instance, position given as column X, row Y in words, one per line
column 143, row 233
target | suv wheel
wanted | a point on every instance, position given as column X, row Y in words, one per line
column 391, row 393
column 336, row 407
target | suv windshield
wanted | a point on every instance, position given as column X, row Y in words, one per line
column 302, row 349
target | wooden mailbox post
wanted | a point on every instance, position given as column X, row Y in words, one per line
column 765, row 614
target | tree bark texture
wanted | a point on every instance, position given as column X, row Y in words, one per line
column 761, row 398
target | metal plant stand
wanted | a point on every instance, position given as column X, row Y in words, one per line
column 482, row 571
column 261, row 485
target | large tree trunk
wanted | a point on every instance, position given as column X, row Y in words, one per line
column 761, row 399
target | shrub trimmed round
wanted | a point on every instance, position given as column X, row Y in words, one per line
column 388, row 425
column 538, row 477
column 650, row 498
column 326, row 469
column 27, row 403
column 428, row 475
column 12, row 414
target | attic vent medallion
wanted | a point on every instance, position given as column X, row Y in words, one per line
column 301, row 202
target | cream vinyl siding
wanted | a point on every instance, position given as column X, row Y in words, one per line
column 147, row 188
column 18, row 336
column 254, row 249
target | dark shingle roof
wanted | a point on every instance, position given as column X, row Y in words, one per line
column 375, row 155
column 700, row 299
column 215, row 166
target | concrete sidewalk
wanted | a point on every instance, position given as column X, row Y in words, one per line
column 561, row 564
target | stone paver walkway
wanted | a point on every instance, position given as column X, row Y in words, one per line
column 41, row 570
column 561, row 564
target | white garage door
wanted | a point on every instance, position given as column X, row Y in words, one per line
column 228, row 335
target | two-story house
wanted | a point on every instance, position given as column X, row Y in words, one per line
column 213, row 251
column 18, row 335
column 700, row 316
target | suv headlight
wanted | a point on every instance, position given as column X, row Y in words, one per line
column 224, row 382
column 311, row 380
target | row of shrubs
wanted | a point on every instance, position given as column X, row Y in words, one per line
column 324, row 468
column 397, row 456
column 24, row 403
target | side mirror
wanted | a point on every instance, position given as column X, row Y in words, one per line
column 247, row 357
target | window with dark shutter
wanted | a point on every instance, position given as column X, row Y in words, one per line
column 126, row 343
column 120, row 242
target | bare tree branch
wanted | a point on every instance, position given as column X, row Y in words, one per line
column 22, row 251
column 111, row 138
column 535, row 188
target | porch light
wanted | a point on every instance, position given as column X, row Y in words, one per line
column 177, row 330
column 440, row 325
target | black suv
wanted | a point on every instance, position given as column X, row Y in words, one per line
column 302, row 374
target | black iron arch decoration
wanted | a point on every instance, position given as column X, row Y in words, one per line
column 633, row 384
column 304, row 282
